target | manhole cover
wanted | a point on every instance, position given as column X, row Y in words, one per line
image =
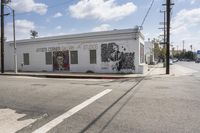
column 41, row 85
column 161, row 87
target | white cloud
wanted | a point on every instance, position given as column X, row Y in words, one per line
column 58, row 14
column 185, row 19
column 191, row 1
column 29, row 6
column 101, row 9
column 185, row 26
column 23, row 28
column 58, row 27
column 103, row 27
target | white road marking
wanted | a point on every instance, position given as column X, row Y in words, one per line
column 10, row 123
column 71, row 112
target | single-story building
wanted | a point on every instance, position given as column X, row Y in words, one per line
column 149, row 52
column 116, row 51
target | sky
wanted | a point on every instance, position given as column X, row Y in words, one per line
column 61, row 17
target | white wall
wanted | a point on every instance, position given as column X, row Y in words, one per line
column 8, row 57
column 149, row 52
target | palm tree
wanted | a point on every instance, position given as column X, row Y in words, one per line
column 33, row 34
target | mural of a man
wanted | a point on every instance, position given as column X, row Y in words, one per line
column 113, row 51
column 60, row 61
column 120, row 59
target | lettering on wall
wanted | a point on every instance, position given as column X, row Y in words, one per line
column 120, row 58
column 70, row 47
column 53, row 49
column 90, row 47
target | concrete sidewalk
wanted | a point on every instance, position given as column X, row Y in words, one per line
column 81, row 75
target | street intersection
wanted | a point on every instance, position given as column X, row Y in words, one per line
column 154, row 103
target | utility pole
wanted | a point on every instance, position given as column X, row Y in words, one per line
column 168, row 10
column 183, row 46
column 191, row 47
column 2, row 36
column 164, row 28
column 177, row 48
column 15, row 48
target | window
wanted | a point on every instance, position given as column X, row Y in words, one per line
column 93, row 59
column 26, row 58
column 141, row 53
column 48, row 56
column 74, row 57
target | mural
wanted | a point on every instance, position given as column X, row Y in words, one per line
column 121, row 59
column 109, row 52
column 60, row 60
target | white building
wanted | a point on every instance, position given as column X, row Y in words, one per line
column 149, row 52
column 116, row 51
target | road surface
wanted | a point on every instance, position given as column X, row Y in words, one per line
column 156, row 103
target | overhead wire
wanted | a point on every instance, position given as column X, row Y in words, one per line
column 144, row 19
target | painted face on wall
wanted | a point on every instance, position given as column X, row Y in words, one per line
column 121, row 59
column 60, row 61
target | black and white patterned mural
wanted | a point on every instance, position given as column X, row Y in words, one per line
column 118, row 55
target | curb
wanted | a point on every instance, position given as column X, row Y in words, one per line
column 66, row 76
column 78, row 76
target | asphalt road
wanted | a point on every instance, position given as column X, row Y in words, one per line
column 43, row 99
column 169, row 104
column 191, row 65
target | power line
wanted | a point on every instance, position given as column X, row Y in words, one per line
column 147, row 13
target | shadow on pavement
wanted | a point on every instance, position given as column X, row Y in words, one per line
column 107, row 109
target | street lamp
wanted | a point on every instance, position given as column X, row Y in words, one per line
column 14, row 40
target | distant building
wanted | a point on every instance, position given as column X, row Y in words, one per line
column 116, row 51
column 149, row 52
column 0, row 55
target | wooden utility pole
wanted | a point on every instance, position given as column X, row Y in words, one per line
column 2, row 36
column 168, row 10
column 183, row 46
column 164, row 28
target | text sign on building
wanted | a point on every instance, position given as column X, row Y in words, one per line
column 64, row 48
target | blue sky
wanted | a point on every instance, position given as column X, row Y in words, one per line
column 58, row 17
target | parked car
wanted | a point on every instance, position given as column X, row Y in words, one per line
column 175, row 60
column 170, row 61
column 197, row 60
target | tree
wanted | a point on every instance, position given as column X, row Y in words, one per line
column 159, row 51
column 33, row 34
column 185, row 55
